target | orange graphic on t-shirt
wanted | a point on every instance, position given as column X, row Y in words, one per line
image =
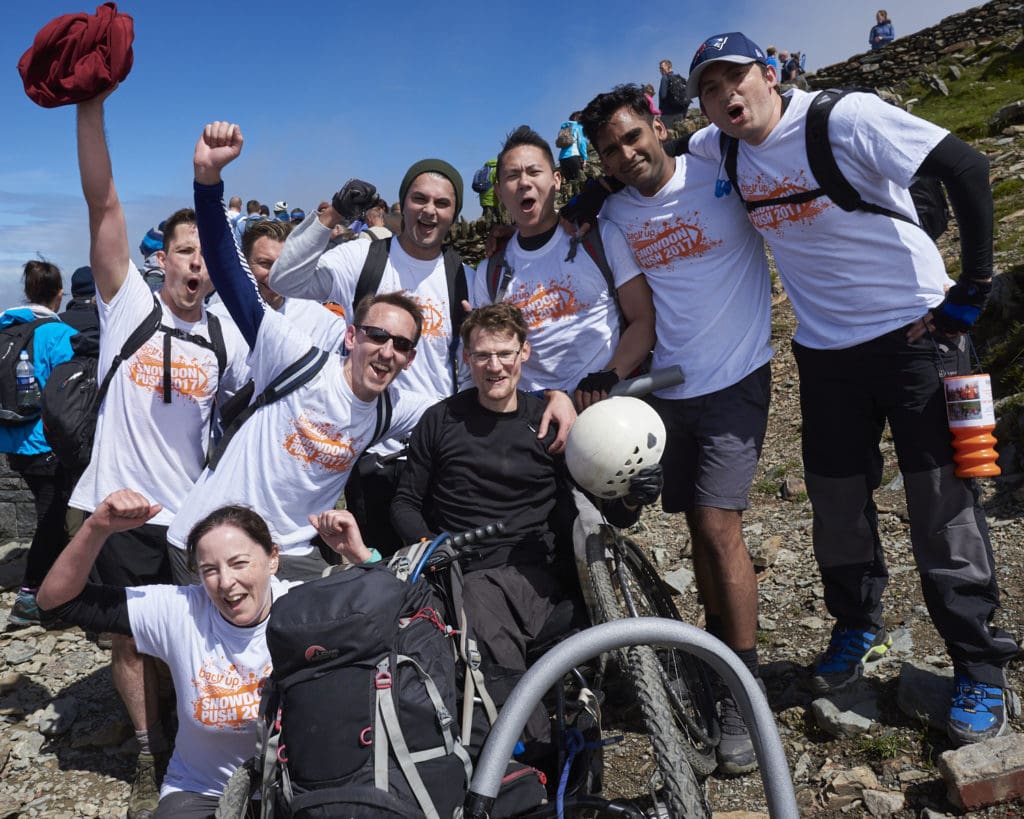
column 660, row 243
column 188, row 377
column 776, row 217
column 546, row 304
column 433, row 316
column 225, row 698
column 320, row 443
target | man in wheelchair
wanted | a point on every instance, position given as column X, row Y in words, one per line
column 482, row 456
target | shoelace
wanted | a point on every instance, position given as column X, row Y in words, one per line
column 731, row 721
column 970, row 696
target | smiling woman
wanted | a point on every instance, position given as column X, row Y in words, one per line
column 212, row 637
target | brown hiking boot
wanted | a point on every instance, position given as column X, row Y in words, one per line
column 145, row 788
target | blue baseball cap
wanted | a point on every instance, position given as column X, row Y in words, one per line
column 732, row 47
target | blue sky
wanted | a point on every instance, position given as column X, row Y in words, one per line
column 326, row 91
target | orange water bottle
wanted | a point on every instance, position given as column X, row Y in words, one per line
column 972, row 418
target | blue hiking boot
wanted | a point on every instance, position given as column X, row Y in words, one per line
column 24, row 612
column 978, row 711
column 843, row 660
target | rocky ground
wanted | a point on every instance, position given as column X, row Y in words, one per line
column 892, row 751
column 65, row 745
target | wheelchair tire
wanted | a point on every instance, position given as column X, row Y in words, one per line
column 627, row 585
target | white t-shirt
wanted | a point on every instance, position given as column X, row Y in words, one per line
column 851, row 276
column 572, row 319
column 708, row 276
column 305, row 269
column 335, row 274
column 141, row 442
column 293, row 457
column 325, row 328
column 218, row 671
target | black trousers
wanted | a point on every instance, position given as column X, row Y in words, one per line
column 846, row 397
column 51, row 487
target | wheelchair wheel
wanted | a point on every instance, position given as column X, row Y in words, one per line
column 237, row 800
column 627, row 585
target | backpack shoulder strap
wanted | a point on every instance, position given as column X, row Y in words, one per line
column 820, row 157
column 140, row 335
column 286, row 382
column 373, row 270
column 594, row 245
column 458, row 292
column 822, row 160
column 385, row 410
column 730, row 148
column 220, row 350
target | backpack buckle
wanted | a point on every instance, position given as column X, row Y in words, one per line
column 444, row 718
column 382, row 679
column 473, row 658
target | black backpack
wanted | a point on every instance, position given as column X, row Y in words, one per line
column 13, row 339
column 677, row 91
column 927, row 193
column 73, row 393
column 482, row 179
column 359, row 712
column 458, row 291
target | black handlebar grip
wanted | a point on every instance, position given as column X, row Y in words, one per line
column 475, row 535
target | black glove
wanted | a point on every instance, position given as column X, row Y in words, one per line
column 598, row 382
column 645, row 486
column 583, row 208
column 960, row 309
column 353, row 200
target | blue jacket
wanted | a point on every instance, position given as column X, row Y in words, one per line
column 579, row 142
column 51, row 346
column 883, row 30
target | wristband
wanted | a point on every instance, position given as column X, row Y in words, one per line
column 374, row 557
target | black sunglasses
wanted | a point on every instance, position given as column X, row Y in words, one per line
column 378, row 335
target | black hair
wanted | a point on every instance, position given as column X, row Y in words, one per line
column 241, row 517
column 525, row 135
column 602, row 108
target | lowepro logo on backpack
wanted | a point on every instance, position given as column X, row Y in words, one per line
column 318, row 654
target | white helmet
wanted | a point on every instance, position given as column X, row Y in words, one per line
column 610, row 442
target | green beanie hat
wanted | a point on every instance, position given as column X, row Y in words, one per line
column 433, row 166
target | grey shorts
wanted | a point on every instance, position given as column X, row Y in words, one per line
column 713, row 445
column 298, row 568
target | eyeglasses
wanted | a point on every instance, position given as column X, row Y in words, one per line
column 503, row 356
column 378, row 335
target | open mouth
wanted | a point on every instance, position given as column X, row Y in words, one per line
column 735, row 112
column 234, row 601
column 527, row 204
column 192, row 285
column 380, row 370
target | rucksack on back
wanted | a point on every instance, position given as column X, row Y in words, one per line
column 677, row 91
column 927, row 193
column 482, row 179
column 73, row 393
column 359, row 712
column 13, row 339
column 565, row 136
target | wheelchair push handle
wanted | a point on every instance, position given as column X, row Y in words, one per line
column 649, row 382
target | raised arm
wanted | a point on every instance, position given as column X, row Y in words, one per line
column 219, row 145
column 118, row 512
column 109, row 255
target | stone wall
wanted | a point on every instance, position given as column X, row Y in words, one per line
column 918, row 55
column 17, row 512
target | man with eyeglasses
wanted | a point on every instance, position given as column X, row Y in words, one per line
column 291, row 458
column 474, row 459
